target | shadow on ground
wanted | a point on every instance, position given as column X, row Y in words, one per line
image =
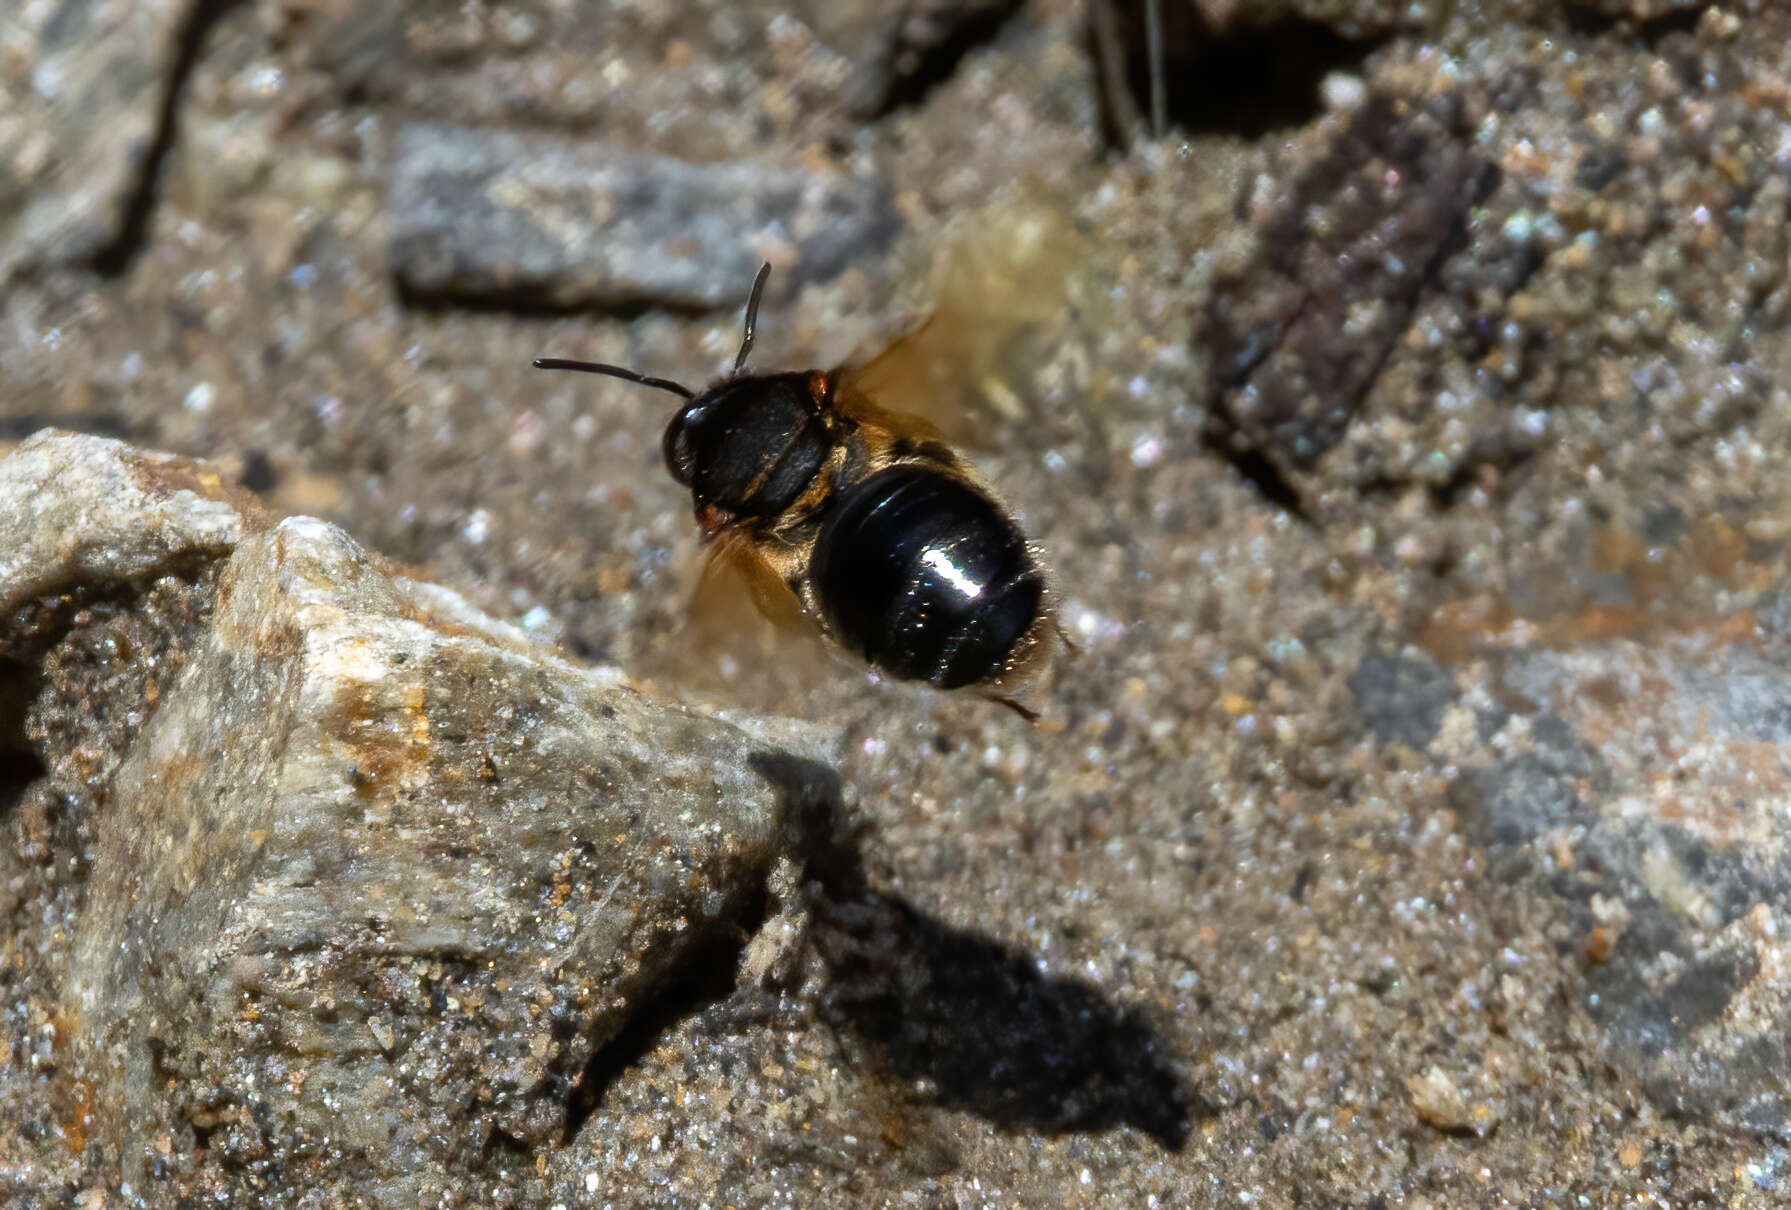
column 970, row 1022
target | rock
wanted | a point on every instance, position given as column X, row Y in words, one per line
column 79, row 118
column 94, row 512
column 94, row 516
column 499, row 216
column 1405, row 315
column 1438, row 1100
column 1638, row 792
column 1403, row 696
column 1683, row 855
column 374, row 878
column 1299, row 332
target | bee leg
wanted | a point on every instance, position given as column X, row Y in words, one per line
column 1063, row 636
column 1031, row 716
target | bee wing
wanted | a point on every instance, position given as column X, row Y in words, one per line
column 745, row 641
column 737, row 568
column 962, row 373
column 892, row 394
column 919, row 386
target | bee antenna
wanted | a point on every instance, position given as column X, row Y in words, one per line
column 752, row 315
column 597, row 367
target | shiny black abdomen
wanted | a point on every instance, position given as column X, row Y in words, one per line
column 749, row 445
column 925, row 577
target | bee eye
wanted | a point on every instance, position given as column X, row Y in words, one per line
column 679, row 459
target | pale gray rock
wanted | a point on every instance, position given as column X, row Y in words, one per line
column 1639, row 790
column 373, row 877
column 1682, row 841
column 91, row 511
column 497, row 216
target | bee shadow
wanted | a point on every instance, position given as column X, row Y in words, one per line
column 971, row 1022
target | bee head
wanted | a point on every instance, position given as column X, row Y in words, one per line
column 749, row 445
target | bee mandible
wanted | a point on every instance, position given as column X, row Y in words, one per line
column 864, row 521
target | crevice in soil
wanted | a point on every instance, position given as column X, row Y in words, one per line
column 1248, row 80
column 921, row 50
column 116, row 257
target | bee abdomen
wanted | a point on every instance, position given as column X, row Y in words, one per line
column 925, row 577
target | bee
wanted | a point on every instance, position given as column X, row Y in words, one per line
column 861, row 521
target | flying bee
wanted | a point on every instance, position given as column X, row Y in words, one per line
column 864, row 521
